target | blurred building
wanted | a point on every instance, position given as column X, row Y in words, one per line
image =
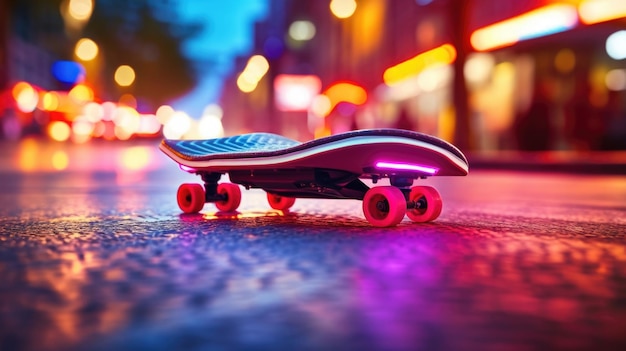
column 71, row 82
column 485, row 74
column 22, row 59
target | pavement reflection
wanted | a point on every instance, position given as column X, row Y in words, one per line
column 98, row 260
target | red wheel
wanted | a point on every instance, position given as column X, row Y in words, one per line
column 281, row 203
column 429, row 202
column 233, row 197
column 190, row 197
column 384, row 206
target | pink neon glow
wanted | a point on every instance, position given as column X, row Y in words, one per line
column 187, row 169
column 407, row 167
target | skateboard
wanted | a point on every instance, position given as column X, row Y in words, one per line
column 332, row 167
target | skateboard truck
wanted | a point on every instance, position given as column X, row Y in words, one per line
column 210, row 187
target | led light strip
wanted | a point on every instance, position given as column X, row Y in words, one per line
column 407, row 167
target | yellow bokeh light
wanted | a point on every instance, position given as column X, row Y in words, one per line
column 346, row 92
column 136, row 158
column 28, row 155
column 245, row 85
column 596, row 11
column 86, row 49
column 50, row 101
column 80, row 9
column 444, row 54
column 542, row 21
column 121, row 133
column 256, row 68
column 343, row 8
column 60, row 160
column 82, row 126
column 59, row 131
column 124, row 75
column 81, row 93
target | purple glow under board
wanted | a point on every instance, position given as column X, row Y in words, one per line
column 406, row 167
column 187, row 169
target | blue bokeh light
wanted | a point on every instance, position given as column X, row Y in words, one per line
column 68, row 72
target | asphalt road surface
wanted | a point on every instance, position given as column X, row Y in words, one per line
column 95, row 255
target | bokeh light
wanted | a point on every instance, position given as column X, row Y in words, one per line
column 68, row 72
column 295, row 92
column 148, row 124
column 108, row 109
column 543, row 21
column 210, row 126
column 596, row 11
column 444, row 54
column 94, row 112
column 127, row 119
column 213, row 110
column 177, row 126
column 321, row 105
column 343, row 8
column 26, row 97
column 616, row 45
column 82, row 126
column 81, row 93
column 615, row 79
column 302, row 30
column 86, row 49
column 565, row 60
column 136, row 158
column 254, row 71
column 434, row 78
column 273, row 47
column 124, row 76
column 60, row 160
column 50, row 101
column 59, row 131
column 478, row 68
column 164, row 113
column 80, row 9
column 245, row 85
column 128, row 100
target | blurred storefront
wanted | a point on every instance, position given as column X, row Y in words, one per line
column 535, row 75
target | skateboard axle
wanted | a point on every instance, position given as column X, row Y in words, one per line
column 210, row 187
column 383, row 205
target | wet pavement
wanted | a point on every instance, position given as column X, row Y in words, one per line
column 95, row 255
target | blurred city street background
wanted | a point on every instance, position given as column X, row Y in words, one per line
column 528, row 253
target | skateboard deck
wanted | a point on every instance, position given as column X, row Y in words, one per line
column 330, row 167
